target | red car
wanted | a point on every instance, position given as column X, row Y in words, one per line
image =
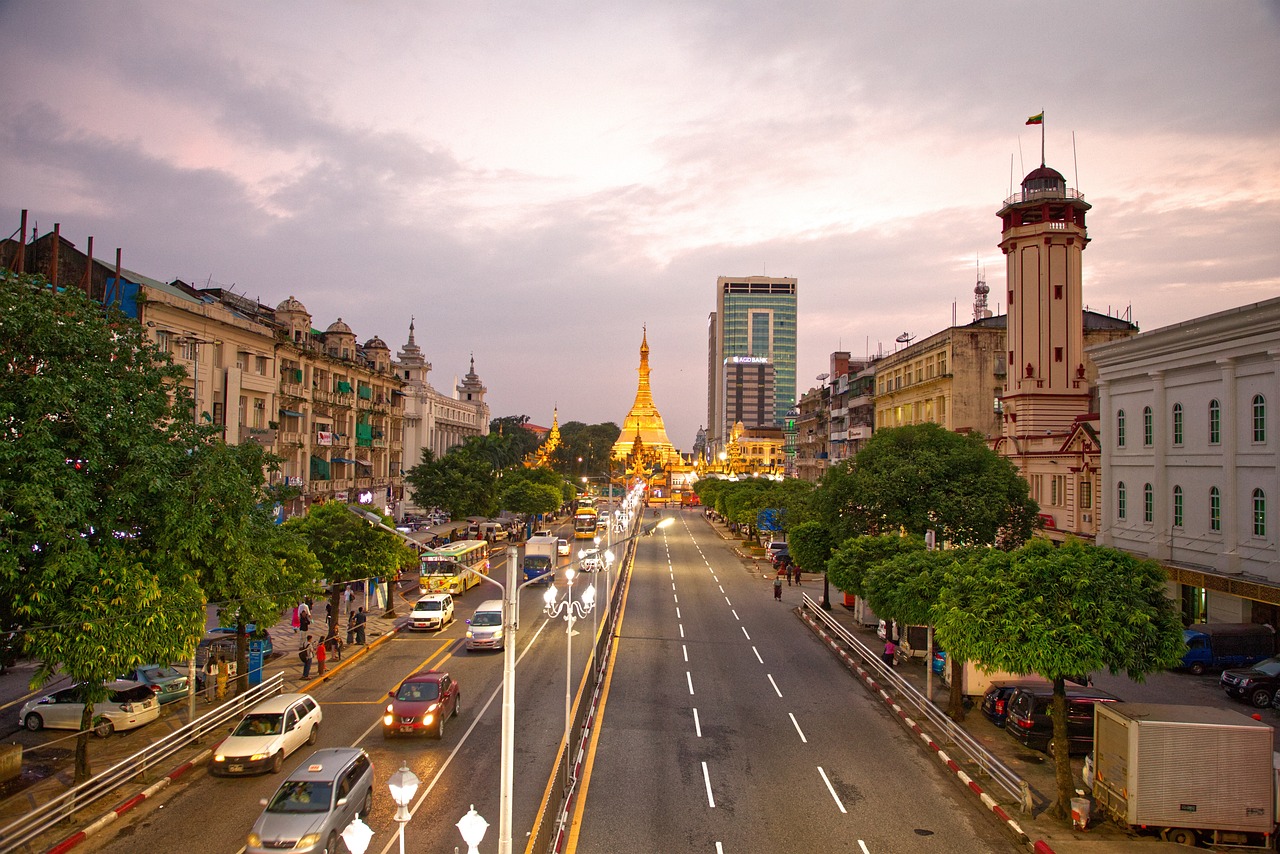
column 421, row 704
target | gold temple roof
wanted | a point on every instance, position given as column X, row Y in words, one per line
column 643, row 424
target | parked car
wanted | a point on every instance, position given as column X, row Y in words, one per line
column 129, row 705
column 1029, row 719
column 169, row 683
column 562, row 546
column 1255, row 685
column 420, row 704
column 433, row 611
column 774, row 546
column 313, row 805
column 542, row 532
column 995, row 702
column 267, row 734
column 780, row 557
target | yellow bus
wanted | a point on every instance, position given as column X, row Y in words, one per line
column 584, row 523
column 443, row 569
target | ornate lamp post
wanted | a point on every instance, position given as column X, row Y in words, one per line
column 472, row 827
column 403, row 785
column 570, row 611
column 357, row 836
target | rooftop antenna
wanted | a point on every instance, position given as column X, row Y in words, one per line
column 1074, row 162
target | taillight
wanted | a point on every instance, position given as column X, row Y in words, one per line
column 999, row 707
column 1024, row 723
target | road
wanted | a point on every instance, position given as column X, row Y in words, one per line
column 728, row 728
column 460, row 770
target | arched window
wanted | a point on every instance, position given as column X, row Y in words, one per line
column 1259, row 418
column 1120, row 428
column 1215, row 509
column 1177, row 424
column 1148, row 503
column 1121, row 500
column 1259, row 513
column 1215, row 422
column 1177, row 507
column 1148, row 427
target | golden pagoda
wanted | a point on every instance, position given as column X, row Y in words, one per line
column 541, row 458
column 643, row 425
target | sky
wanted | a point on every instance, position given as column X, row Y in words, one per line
column 537, row 182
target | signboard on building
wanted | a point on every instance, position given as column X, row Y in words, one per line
column 323, row 437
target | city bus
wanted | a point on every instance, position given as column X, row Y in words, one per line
column 584, row 523
column 443, row 569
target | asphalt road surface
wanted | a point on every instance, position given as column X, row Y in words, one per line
column 728, row 728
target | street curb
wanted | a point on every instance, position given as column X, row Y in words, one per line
column 1037, row 847
column 110, row 816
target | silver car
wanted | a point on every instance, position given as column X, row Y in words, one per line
column 320, row 798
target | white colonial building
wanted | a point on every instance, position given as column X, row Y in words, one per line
column 1189, row 458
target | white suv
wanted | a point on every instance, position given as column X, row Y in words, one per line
column 271, row 731
column 433, row 611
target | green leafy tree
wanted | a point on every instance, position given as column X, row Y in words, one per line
column 349, row 548
column 93, row 445
column 242, row 558
column 853, row 558
column 462, row 483
column 924, row 477
column 810, row 545
column 790, row 499
column 1059, row 611
column 529, row 499
column 513, row 428
column 585, row 449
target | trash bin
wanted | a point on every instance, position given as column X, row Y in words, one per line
column 1080, row 813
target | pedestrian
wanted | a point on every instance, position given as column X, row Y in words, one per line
column 224, row 673
column 304, row 617
column 321, row 655
column 361, row 616
column 351, row 628
column 304, row 655
column 796, row 568
column 777, row 587
column 889, row 649
column 293, row 621
column 788, row 566
column 210, row 678
column 335, row 645
column 347, row 596
column 328, row 611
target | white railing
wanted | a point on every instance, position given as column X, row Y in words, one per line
column 66, row 805
column 948, row 729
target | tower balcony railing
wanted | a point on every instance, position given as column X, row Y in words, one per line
column 1045, row 194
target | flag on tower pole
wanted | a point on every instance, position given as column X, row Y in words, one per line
column 1037, row 119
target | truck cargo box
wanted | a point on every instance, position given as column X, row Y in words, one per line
column 1169, row 766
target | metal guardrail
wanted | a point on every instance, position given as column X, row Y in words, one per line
column 949, row 731
column 66, row 805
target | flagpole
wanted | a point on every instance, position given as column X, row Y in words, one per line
column 1042, row 136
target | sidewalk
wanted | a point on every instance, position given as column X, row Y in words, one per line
column 49, row 755
column 1044, row 834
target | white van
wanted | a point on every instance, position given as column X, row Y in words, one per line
column 492, row 531
column 484, row 629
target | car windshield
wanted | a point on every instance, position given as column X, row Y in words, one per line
column 487, row 618
column 427, row 606
column 416, row 692
column 302, row 796
column 1271, row 666
column 259, row 724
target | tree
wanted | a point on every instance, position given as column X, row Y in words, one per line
column 93, row 445
column 924, row 477
column 513, row 428
column 244, row 561
column 528, row 498
column 1057, row 612
column 590, row 443
column 853, row 558
column 348, row 547
column 810, row 545
column 462, row 483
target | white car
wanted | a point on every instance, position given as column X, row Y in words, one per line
column 433, row 611
column 129, row 705
column 562, row 546
column 271, row 731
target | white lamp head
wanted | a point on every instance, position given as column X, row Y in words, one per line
column 357, row 836
column 472, row 827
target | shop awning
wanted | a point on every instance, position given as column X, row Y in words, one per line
column 363, row 463
column 291, row 413
column 342, row 460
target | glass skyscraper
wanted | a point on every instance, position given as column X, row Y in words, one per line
column 755, row 317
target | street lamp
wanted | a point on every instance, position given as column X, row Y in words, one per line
column 472, row 827
column 403, row 785
column 570, row 611
column 357, row 836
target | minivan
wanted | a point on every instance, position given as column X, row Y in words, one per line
column 492, row 531
column 317, row 801
column 1029, row 718
column 484, row 629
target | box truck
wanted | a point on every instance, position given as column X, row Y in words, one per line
column 1192, row 774
column 1221, row 645
column 540, row 559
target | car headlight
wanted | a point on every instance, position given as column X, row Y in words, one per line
column 257, row 757
column 308, row 840
column 254, row 840
column 427, row 718
column 219, row 758
column 388, row 719
column 390, row 708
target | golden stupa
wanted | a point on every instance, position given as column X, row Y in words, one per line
column 541, row 458
column 643, row 438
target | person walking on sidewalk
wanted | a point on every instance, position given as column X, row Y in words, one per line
column 210, row 678
column 304, row 655
column 889, row 649
column 788, row 565
column 351, row 628
column 304, row 617
column 361, row 617
column 777, row 587
column 796, row 568
column 321, row 655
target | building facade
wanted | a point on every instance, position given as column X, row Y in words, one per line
column 1189, row 458
column 755, row 316
column 749, row 392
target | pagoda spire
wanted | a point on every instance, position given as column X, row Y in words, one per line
column 643, row 424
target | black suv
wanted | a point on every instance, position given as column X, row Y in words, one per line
column 1029, row 716
column 1256, row 684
